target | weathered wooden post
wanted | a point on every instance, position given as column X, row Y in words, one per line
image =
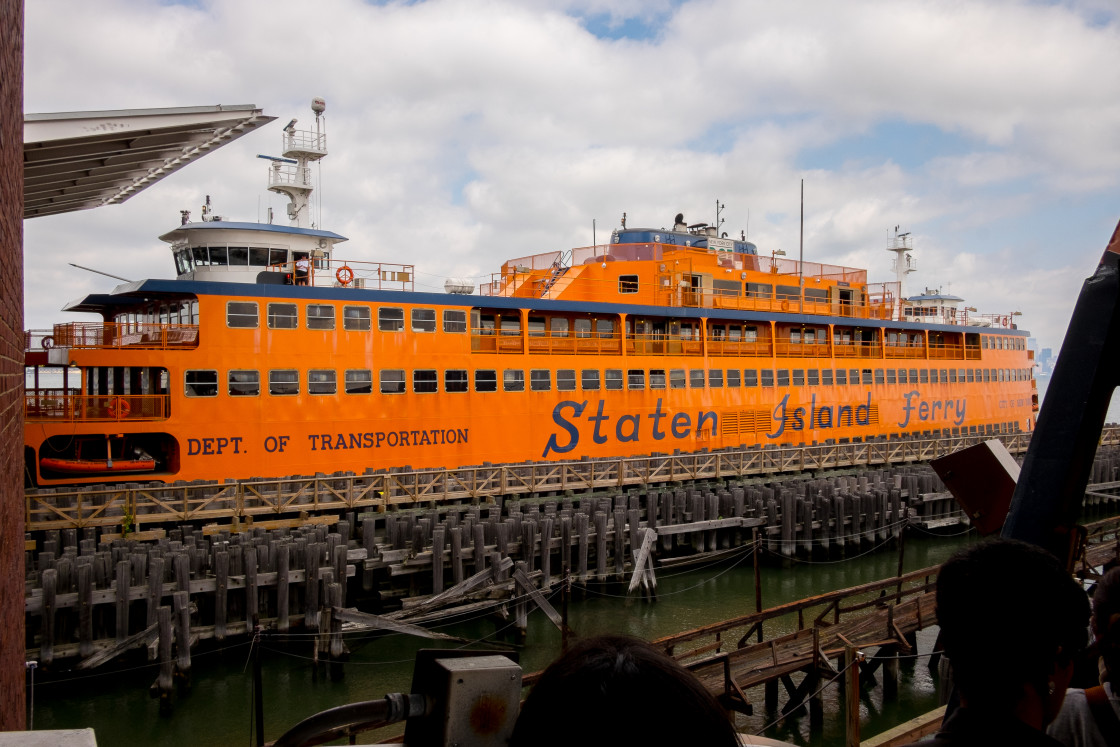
column 851, row 696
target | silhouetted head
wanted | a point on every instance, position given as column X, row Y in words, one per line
column 613, row 690
column 1010, row 617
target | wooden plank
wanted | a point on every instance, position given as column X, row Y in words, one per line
column 710, row 524
column 908, row 731
column 29, row 545
column 642, row 559
column 140, row 640
column 460, row 589
column 148, row 535
column 238, row 528
column 538, row 598
column 366, row 621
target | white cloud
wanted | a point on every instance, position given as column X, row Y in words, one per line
column 465, row 133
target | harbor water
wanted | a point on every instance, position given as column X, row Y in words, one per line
column 218, row 708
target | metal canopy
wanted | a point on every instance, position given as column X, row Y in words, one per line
column 80, row 160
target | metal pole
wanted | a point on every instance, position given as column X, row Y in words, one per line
column 258, row 692
column 801, row 255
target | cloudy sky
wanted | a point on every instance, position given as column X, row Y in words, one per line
column 463, row 133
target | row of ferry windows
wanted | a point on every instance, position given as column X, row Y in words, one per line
column 280, row 382
column 244, row 315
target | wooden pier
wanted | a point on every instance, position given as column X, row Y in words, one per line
column 157, row 503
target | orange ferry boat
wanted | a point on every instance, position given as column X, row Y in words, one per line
column 269, row 356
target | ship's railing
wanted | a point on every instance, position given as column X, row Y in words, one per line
column 785, row 349
column 101, row 335
column 946, row 351
column 331, row 272
column 159, row 503
column 488, row 340
column 904, row 351
column 54, row 406
column 307, row 141
column 662, row 344
column 290, row 176
column 856, row 350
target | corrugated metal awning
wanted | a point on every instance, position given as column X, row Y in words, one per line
column 81, row 160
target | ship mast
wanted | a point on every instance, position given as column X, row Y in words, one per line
column 904, row 263
column 303, row 147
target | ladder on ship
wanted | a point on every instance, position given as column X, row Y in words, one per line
column 559, row 267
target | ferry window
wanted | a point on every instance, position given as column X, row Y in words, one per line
column 356, row 318
column 485, row 324
column 510, row 326
column 182, row 262
column 676, row 378
column 390, row 319
column 454, row 320
column 853, row 376
column 359, row 381
column 715, row 377
column 456, row 380
column 322, row 381
column 244, row 383
column 726, row 287
column 202, row 383
column 627, row 283
column 750, row 377
column 283, row 382
column 750, row 334
column 799, row 377
column 841, row 376
column 923, row 376
column 987, row 375
column 258, row 256
column 890, row 376
column 913, row 376
column 696, row 378
column 241, row 314
column 826, row 377
column 733, row 377
column 759, row 290
column 423, row 320
column 783, row 377
column 795, row 336
column 566, row 380
column 604, row 328
column 953, row 376
column 425, row 381
column 814, row 378
column 392, row 381
column 767, row 377
column 636, row 378
column 657, row 378
column 612, row 379
column 540, row 380
column 536, row 326
column 788, row 293
column 878, row 376
column 984, row 342
column 239, row 255
column 589, row 379
column 816, row 295
column 218, row 255
column 944, row 376
column 486, row 381
column 277, row 257
column 583, row 328
column 282, row 316
column 201, row 256
column 513, row 380
column 973, row 374
column 320, row 316
column 559, row 326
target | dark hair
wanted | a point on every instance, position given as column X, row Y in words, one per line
column 614, row 689
column 1106, row 622
column 1008, row 612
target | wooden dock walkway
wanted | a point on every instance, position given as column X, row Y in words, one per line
column 155, row 503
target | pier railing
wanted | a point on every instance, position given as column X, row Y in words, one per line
column 156, row 503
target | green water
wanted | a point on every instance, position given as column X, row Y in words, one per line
column 218, row 709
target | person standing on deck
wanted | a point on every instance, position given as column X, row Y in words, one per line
column 303, row 269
